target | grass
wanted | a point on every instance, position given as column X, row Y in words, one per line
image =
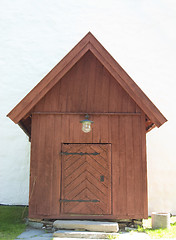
column 112, row 237
column 12, row 221
column 159, row 233
column 12, row 224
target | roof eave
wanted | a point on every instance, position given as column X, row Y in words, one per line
column 89, row 42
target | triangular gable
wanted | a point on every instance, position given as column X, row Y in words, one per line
column 89, row 42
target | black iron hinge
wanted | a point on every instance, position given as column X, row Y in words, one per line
column 79, row 153
column 79, row 200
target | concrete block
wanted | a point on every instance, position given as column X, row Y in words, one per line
column 94, row 226
column 83, row 234
column 160, row 220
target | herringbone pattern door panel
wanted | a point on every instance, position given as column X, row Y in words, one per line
column 86, row 179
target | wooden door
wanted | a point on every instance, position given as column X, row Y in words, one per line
column 86, row 179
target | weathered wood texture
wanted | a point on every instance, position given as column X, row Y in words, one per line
column 129, row 180
column 87, row 87
column 86, row 179
column 88, row 43
column 87, row 80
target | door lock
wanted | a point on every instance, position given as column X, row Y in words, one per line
column 101, row 178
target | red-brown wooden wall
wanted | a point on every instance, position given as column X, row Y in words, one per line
column 88, row 88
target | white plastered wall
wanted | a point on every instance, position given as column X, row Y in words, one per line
column 35, row 35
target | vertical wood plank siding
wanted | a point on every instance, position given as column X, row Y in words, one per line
column 129, row 165
column 88, row 87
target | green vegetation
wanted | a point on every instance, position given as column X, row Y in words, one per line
column 112, row 237
column 12, row 224
column 12, row 221
column 159, row 233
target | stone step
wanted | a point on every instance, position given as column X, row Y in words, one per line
column 95, row 226
column 83, row 234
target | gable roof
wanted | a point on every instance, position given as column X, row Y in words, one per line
column 89, row 42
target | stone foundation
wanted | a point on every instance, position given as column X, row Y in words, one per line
column 124, row 224
column 129, row 223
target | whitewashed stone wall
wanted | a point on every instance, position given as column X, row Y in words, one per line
column 35, row 35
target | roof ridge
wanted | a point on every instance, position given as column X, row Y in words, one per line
column 88, row 42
